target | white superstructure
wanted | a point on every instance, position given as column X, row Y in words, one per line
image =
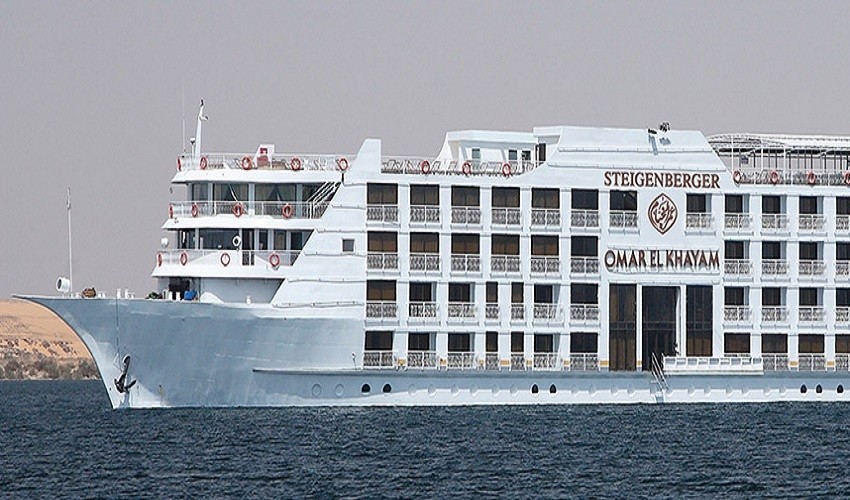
column 562, row 265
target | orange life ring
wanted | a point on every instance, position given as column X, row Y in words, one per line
column 425, row 166
column 286, row 211
column 170, row 211
column 736, row 176
column 179, row 164
column 238, row 210
column 274, row 260
column 203, row 163
column 194, row 209
column 774, row 177
column 295, row 164
column 247, row 163
column 506, row 169
column 225, row 259
column 159, row 258
column 811, row 178
column 466, row 167
column 847, row 178
column 342, row 164
column 184, row 258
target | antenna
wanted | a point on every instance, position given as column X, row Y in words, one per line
column 183, row 115
column 70, row 255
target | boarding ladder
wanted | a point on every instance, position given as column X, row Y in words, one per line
column 660, row 382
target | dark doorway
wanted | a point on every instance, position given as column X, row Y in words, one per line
column 622, row 325
column 247, row 247
column 659, row 323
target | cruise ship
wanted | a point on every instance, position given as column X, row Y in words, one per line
column 558, row 266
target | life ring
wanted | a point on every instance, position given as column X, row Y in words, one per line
column 194, row 209
column 466, row 167
column 179, row 164
column 342, row 164
column 847, row 178
column 247, row 163
column 184, row 258
column 225, row 259
column 506, row 169
column 736, row 176
column 774, row 177
column 425, row 166
column 238, row 210
column 203, row 163
column 274, row 260
column 170, row 211
column 811, row 178
column 286, row 211
column 295, row 164
column 159, row 259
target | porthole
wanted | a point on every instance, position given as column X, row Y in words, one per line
column 339, row 390
column 553, row 389
column 366, row 389
column 534, row 389
column 839, row 389
column 818, row 389
column 803, row 389
column 316, row 390
column 387, row 388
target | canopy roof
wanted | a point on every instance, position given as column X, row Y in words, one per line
column 779, row 143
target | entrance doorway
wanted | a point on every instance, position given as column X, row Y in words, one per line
column 622, row 325
column 659, row 323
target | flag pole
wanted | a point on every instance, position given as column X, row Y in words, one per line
column 70, row 255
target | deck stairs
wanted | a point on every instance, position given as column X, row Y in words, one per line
column 659, row 382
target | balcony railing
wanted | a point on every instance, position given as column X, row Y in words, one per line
column 812, row 268
column 774, row 314
column 584, row 218
column 775, row 362
column 584, row 312
column 584, row 362
column 429, row 165
column 504, row 263
column 547, row 312
column 491, row 361
column 421, row 359
column 584, row 265
column 466, row 215
column 738, row 221
column 545, row 265
column 774, row 267
column 491, row 311
column 546, row 217
column 842, row 362
column 842, row 223
column 842, row 314
column 378, row 359
column 423, row 310
column 812, row 222
column 506, row 216
column 517, row 312
column 284, row 161
column 842, row 268
column 466, row 263
column 376, row 260
column 811, row 362
column 774, row 222
column 276, row 209
column 545, row 361
column 623, row 218
column 382, row 213
column 424, row 214
column 736, row 314
column 271, row 259
column 461, row 310
column 460, row 360
column 738, row 267
column 811, row 314
column 699, row 221
column 424, row 262
column 379, row 309
column 517, row 361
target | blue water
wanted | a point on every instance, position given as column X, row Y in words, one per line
column 59, row 439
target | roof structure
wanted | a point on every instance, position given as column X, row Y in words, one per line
column 780, row 143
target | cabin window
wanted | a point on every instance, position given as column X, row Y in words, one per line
column 418, row 342
column 278, row 192
column 492, row 342
column 735, row 296
column 465, row 244
column 186, row 239
column 771, row 250
column 842, row 344
column 735, row 250
column 544, row 294
column 460, row 342
column 382, row 242
column 517, row 293
column 424, row 243
column 517, row 342
column 460, row 292
column 347, row 245
column 697, row 204
column 736, row 343
column 810, row 343
column 623, row 201
column 771, row 296
column 842, row 251
column 809, row 250
column 842, row 205
column 230, row 192
column 505, row 197
column 476, row 153
column 381, row 194
column 585, row 199
column 505, row 244
column 512, row 155
column 584, row 343
column 380, row 291
column 544, row 245
column 492, row 289
column 774, row 343
column 771, row 205
column 425, row 195
column 465, row 196
column 421, row 292
column 545, row 198
column 200, row 192
column 734, row 204
column 544, row 343
column 584, row 246
column 218, row 239
column 842, row 297
column 809, row 205
column 584, row 293
column 379, row 341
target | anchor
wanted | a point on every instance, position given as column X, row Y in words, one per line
column 120, row 384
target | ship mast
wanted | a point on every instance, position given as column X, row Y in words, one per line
column 196, row 145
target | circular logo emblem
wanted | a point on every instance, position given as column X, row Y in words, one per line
column 662, row 213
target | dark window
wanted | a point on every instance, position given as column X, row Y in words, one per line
column 230, row 192
column 380, row 290
column 771, row 205
column 465, row 196
column 583, row 342
column 811, row 344
column 544, row 294
column 541, row 152
column 517, row 293
column 697, row 204
column 418, row 341
column 424, row 243
column 585, row 199
column 842, row 205
column 545, row 198
column 699, row 320
column 842, row 251
column 384, row 242
column 842, row 297
column 771, row 250
column 734, row 250
column 771, row 297
column 425, row 195
column 544, row 245
column 809, row 297
column 502, row 197
column 808, row 250
column 382, row 194
column 465, row 244
column 460, row 342
column 734, row 296
column 512, row 155
column 624, row 201
column 347, row 245
column 734, row 204
column 517, row 342
column 421, row 292
column 379, row 341
column 492, row 342
column 736, row 343
column 809, row 205
column 505, row 244
column 584, row 293
column 460, row 292
column 492, row 292
column 200, row 192
column 544, row 343
column 584, row 246
column 842, row 344
column 774, row 343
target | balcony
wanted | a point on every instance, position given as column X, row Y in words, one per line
column 491, row 361
column 774, row 314
column 774, row 222
column 506, row 216
column 275, row 209
column 584, row 362
column 378, row 359
column 736, row 314
column 549, row 218
column 812, row 222
column 464, row 311
column 546, row 265
column 258, row 259
column 382, row 213
column 545, row 361
column 584, row 312
column 424, row 214
column 466, row 215
column 517, row 312
column 504, row 264
column 377, row 260
column 811, row 314
column 421, row 359
column 546, row 313
column 424, row 262
column 699, row 222
column 381, row 309
column 466, row 263
column 739, row 267
column 460, row 360
column 812, row 268
column 738, row 222
column 842, row 223
column 842, row 362
column 517, row 361
column 422, row 310
column 775, row 362
column 584, row 219
column 842, row 268
column 623, row 219
column 811, row 362
column 774, row 267
column 584, row 265
column 842, row 315
column 491, row 311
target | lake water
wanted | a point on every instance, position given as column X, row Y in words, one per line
column 61, row 439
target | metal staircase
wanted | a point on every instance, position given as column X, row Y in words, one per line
column 319, row 201
column 660, row 386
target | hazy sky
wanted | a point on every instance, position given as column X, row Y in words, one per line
column 92, row 93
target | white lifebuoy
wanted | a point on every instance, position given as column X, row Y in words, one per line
column 295, row 164
column 774, row 177
column 184, row 258
column 225, row 259
column 736, row 176
column 203, row 163
column 466, row 168
column 274, row 260
column 237, row 241
column 194, row 209
column 342, row 164
column 286, row 211
column 238, row 210
column 247, row 163
column 811, row 178
column 425, row 167
column 506, row 169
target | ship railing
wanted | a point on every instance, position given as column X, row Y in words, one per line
column 424, row 214
column 284, row 161
column 811, row 362
column 424, row 262
column 774, row 267
column 276, row 209
column 584, row 265
column 545, row 361
column 811, row 222
column 798, row 176
column 423, row 165
column 584, row 218
column 421, row 359
column 461, row 310
column 737, row 266
column 584, row 312
column 774, row 222
column 774, row 314
column 546, row 217
column 460, row 360
column 381, row 309
column 699, row 221
column 812, row 268
column 378, row 359
column 842, row 223
column 504, row 263
column 584, row 362
column 737, row 221
column 811, row 314
column 273, row 259
column 736, row 314
column 775, row 362
column 506, row 216
column 545, row 265
column 491, row 361
column 466, row 262
column 842, row 268
column 382, row 213
column 623, row 219
column 381, row 260
column 491, row 311
column 517, row 312
column 546, row 312
column 842, row 314
column 466, row 215
column 842, row 362
column 517, row 361
column 423, row 310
